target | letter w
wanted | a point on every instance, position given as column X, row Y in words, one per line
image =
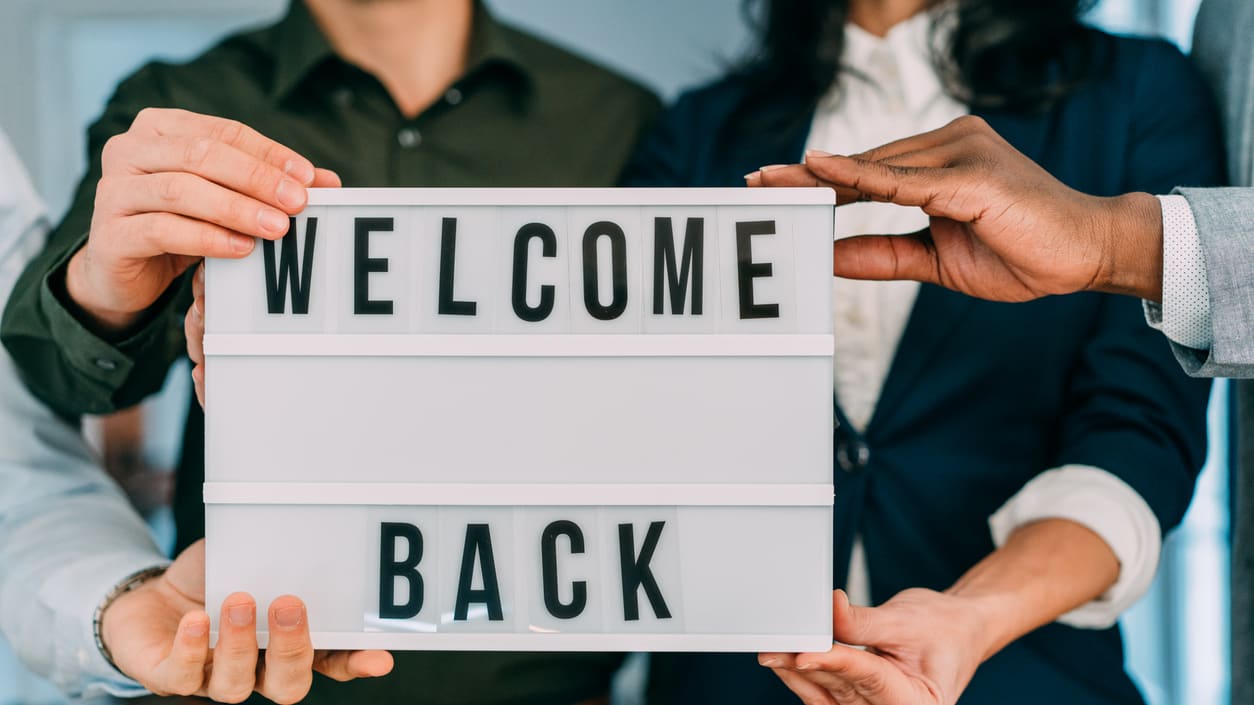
column 279, row 277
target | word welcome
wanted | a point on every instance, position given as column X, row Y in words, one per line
column 677, row 271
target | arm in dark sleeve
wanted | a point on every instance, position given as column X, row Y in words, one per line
column 1132, row 411
column 63, row 361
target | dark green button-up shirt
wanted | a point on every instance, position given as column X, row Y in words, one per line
column 525, row 113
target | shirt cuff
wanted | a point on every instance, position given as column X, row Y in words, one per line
column 1107, row 506
column 83, row 670
column 103, row 363
column 102, row 677
column 1185, row 314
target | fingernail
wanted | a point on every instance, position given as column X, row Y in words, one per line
column 196, row 312
column 807, row 666
column 772, row 167
column 196, row 629
column 290, row 194
column 769, row 662
column 200, row 274
column 289, row 617
column 241, row 615
column 272, row 220
column 818, row 153
column 300, row 170
column 241, row 244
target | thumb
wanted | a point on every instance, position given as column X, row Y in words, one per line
column 883, row 257
column 856, row 626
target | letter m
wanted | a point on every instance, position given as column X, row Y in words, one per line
column 672, row 279
column 283, row 275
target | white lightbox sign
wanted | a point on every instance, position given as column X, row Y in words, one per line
column 529, row 419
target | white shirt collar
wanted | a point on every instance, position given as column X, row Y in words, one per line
column 901, row 62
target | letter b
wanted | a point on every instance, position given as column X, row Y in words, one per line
column 391, row 568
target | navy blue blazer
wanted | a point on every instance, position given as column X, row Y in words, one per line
column 982, row 397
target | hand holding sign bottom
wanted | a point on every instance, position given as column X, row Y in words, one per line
column 158, row 634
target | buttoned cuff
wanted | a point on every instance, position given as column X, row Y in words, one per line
column 108, row 365
column 1185, row 314
column 1107, row 506
column 99, row 675
column 81, row 668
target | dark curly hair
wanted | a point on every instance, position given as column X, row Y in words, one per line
column 1020, row 55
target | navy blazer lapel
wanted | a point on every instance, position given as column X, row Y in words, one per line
column 937, row 311
column 783, row 146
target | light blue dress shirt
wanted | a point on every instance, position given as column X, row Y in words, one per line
column 67, row 533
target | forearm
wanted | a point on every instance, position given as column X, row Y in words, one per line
column 1045, row 570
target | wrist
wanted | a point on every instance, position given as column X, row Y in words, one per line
column 993, row 618
column 83, row 295
column 1132, row 262
column 128, row 587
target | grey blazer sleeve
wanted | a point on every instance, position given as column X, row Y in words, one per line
column 1225, row 225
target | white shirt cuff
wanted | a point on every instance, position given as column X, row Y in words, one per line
column 98, row 576
column 1110, row 508
column 1185, row 314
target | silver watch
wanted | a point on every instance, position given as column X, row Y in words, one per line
column 128, row 584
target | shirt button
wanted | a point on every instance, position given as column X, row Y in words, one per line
column 409, row 138
column 453, row 96
column 106, row 364
column 853, row 456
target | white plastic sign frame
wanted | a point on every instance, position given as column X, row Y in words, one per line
column 529, row 419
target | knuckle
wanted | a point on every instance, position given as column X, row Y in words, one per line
column 292, row 691
column 185, row 685
column 262, row 178
column 196, row 153
column 146, row 117
column 144, row 227
column 210, row 240
column 290, row 651
column 229, row 131
column 873, row 683
column 106, row 190
column 240, row 213
column 170, row 189
column 192, row 331
column 973, row 123
column 333, row 667
column 112, row 152
column 231, row 694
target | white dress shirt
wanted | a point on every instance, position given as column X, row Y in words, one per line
column 1184, row 315
column 889, row 90
column 67, row 533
